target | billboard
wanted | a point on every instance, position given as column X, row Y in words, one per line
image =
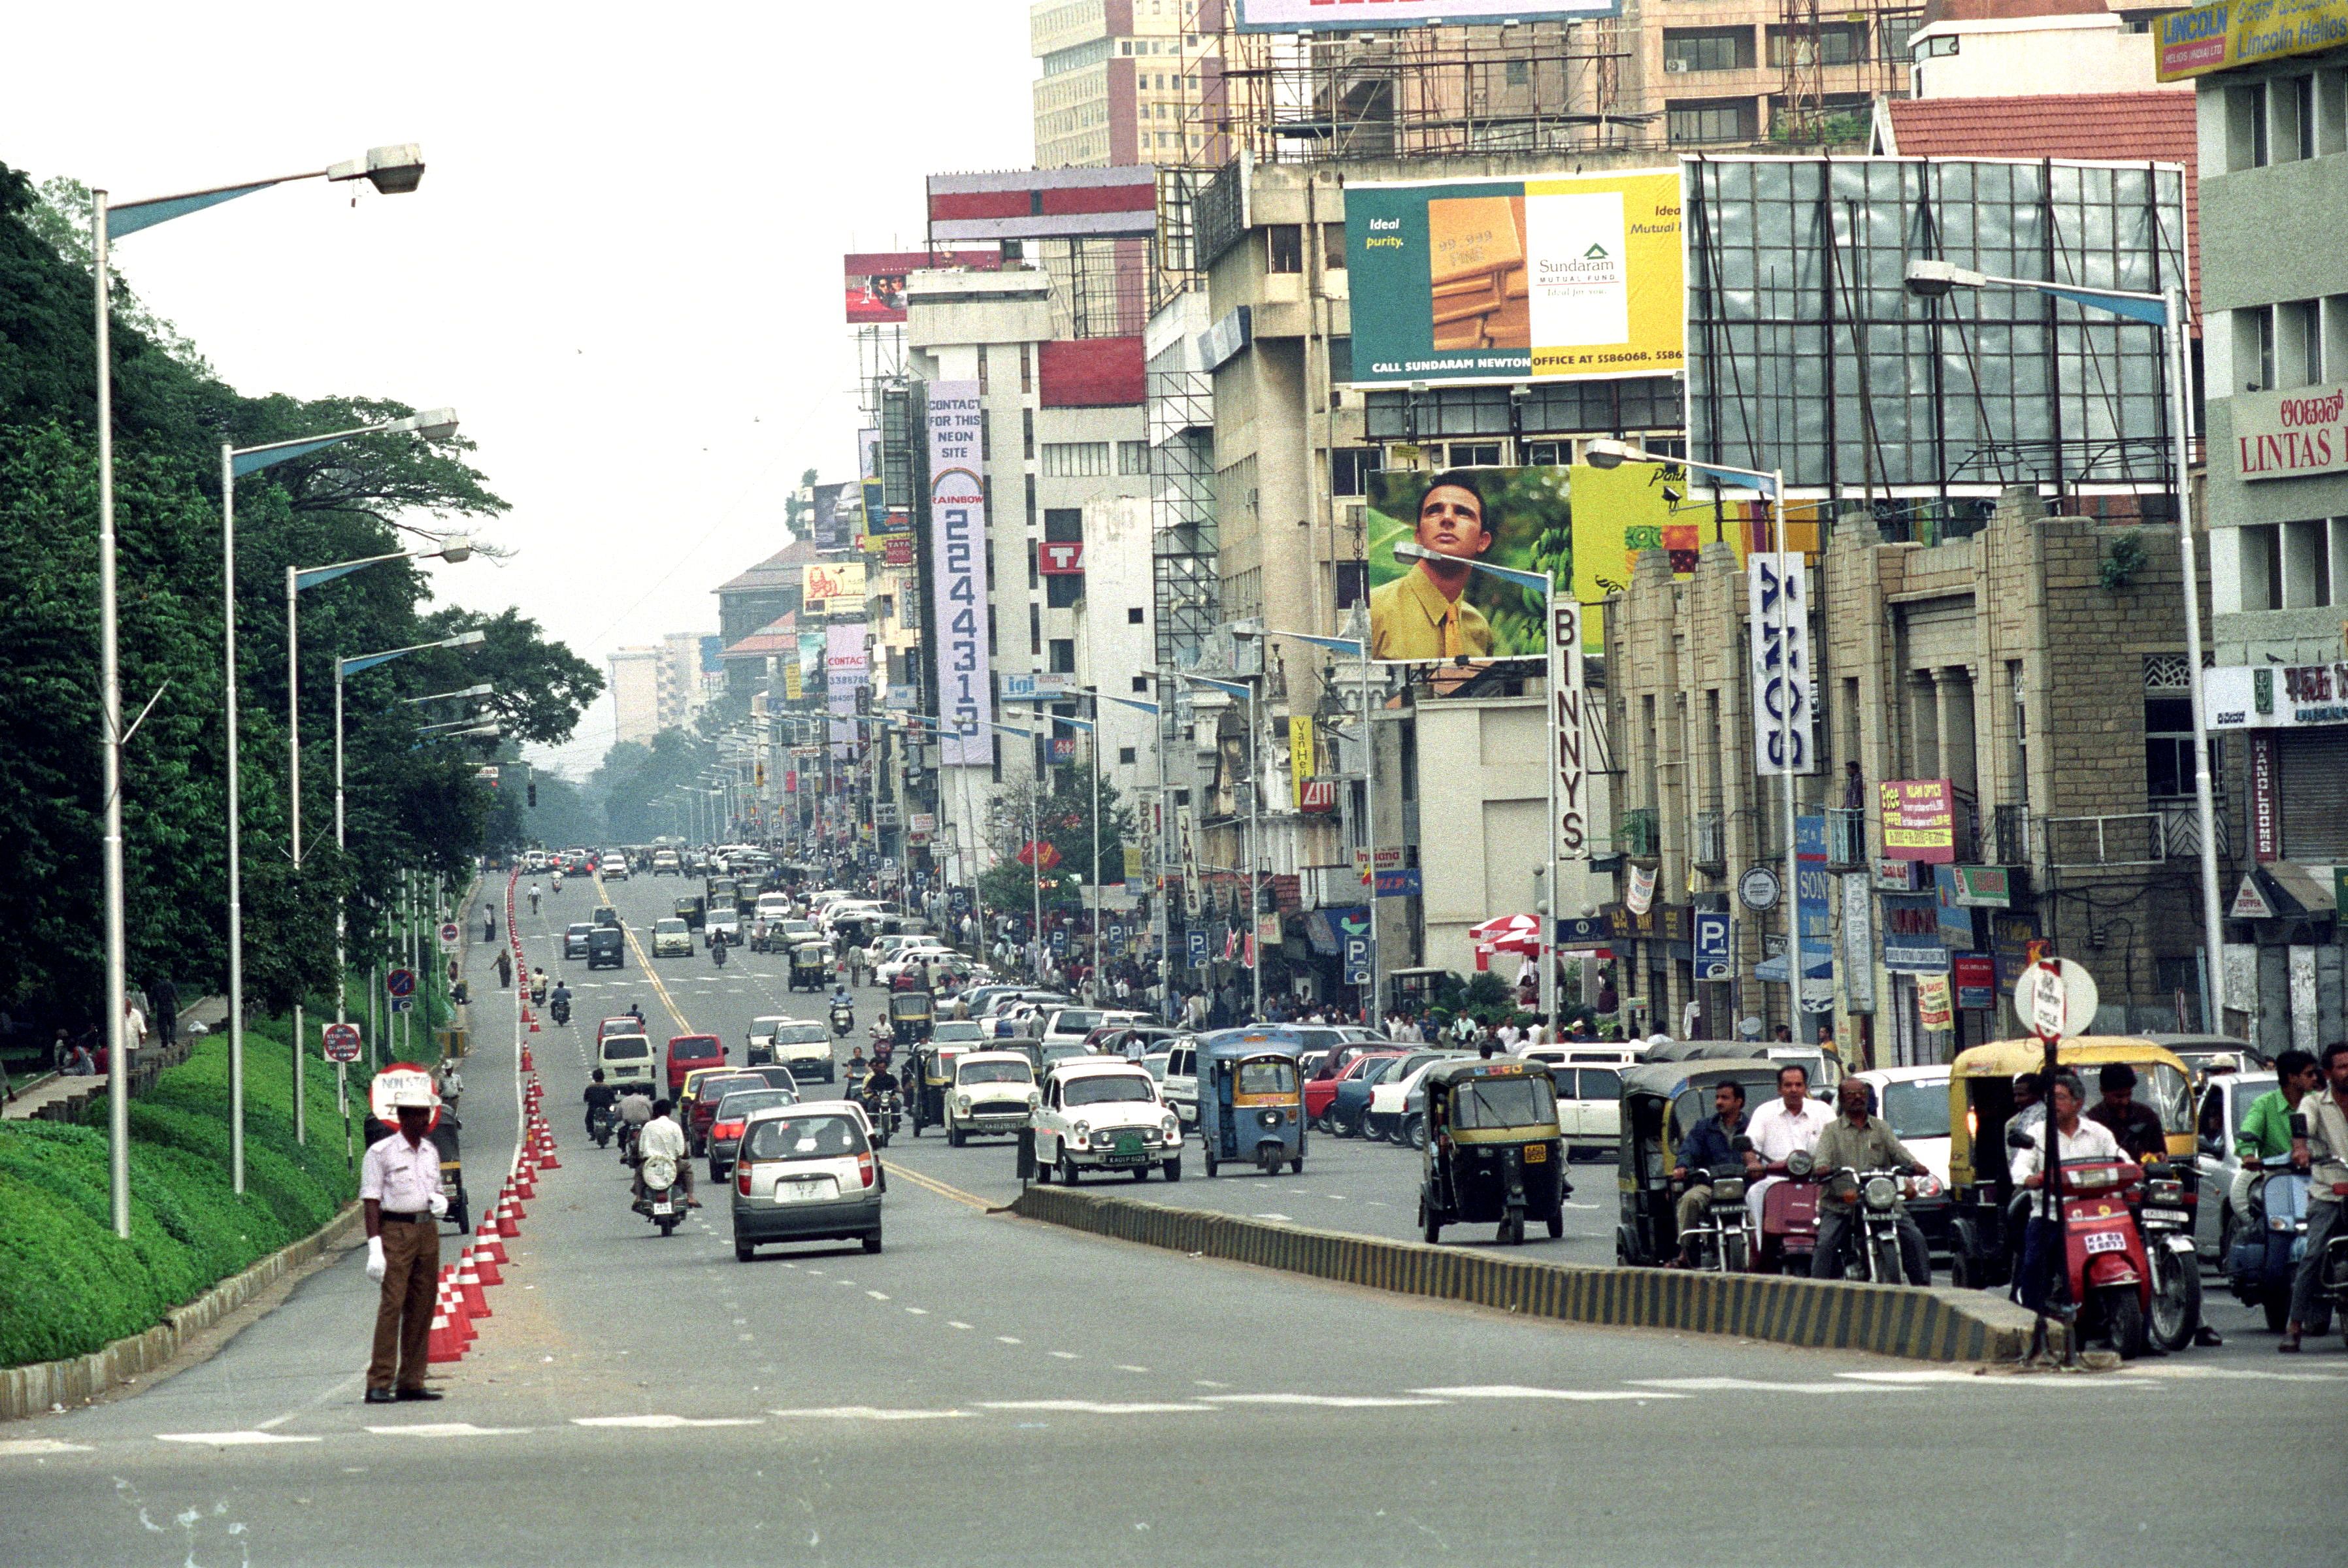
column 1428, row 603
column 2231, row 32
column 831, row 587
column 1364, row 15
column 1045, row 204
column 1561, row 278
column 876, row 279
column 836, row 514
column 1784, row 681
column 958, row 575
column 811, row 681
column 847, row 669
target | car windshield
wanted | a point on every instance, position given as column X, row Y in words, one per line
column 1917, row 1109
column 713, row 1089
column 817, row 1136
column 1376, row 1070
column 1267, row 1076
column 1076, row 1021
column 1506, row 1103
column 799, row 1034
column 626, row 1047
column 1157, row 1067
column 955, row 1029
column 1109, row 1089
column 742, row 1101
column 579, row 929
column 669, row 928
column 2165, row 1089
column 994, row 1073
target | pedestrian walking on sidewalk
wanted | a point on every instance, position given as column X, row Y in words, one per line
column 400, row 1198
column 164, row 997
column 505, row 970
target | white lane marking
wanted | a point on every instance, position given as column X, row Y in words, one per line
column 1758, row 1385
column 1326, row 1401
column 1268, row 1216
column 745, row 1337
column 1372, row 1203
column 16, row 1448
column 1066, row 1356
column 1096, row 1407
column 740, row 1322
column 666, row 1423
column 1122, row 1367
column 1334, row 1198
column 951, row 1323
column 876, row 1295
column 1570, row 1204
column 919, row 1311
column 1519, row 1391
column 1005, row 1339
column 448, row 1429
column 2170, row 1370
column 868, row 1413
column 230, row 1440
column 1209, row 1383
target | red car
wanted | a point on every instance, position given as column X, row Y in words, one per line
column 687, row 1051
column 1320, row 1091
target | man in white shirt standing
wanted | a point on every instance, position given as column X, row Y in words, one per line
column 1792, row 1120
column 399, row 1193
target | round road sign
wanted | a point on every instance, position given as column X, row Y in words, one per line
column 342, row 1042
column 389, row 1080
column 1758, row 889
column 2056, row 998
column 400, row 982
column 450, row 934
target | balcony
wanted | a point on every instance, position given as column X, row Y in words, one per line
column 2131, row 838
column 2180, row 828
column 1639, row 833
column 1710, row 849
column 1845, row 837
column 2009, row 835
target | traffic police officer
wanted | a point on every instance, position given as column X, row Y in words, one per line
column 399, row 1189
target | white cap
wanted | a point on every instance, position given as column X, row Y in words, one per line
column 411, row 1093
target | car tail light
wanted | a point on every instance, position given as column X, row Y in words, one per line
column 742, row 1178
column 864, row 1168
column 726, row 1130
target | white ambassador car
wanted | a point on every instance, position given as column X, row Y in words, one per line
column 1103, row 1113
column 994, row 1093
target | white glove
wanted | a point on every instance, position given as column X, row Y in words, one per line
column 374, row 1258
column 438, row 1206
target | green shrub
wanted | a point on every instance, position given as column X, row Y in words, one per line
column 68, row 1285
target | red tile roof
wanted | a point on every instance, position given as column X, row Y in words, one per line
column 780, row 569
column 2107, row 127
column 777, row 636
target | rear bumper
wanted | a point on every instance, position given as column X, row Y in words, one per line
column 854, row 1216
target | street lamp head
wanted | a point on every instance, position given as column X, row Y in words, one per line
column 1929, row 278
column 467, row 639
column 393, row 170
column 1606, row 453
column 455, row 547
column 432, row 423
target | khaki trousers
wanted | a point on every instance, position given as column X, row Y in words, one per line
column 403, row 1320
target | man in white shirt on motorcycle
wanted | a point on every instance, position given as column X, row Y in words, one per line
column 662, row 1137
column 1791, row 1121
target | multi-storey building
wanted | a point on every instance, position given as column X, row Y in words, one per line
column 636, row 693
column 1122, row 80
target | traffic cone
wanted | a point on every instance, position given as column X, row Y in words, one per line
column 476, row 1303
column 525, row 1183
column 485, row 1241
column 525, row 1051
column 506, row 1226
column 546, row 1160
column 443, row 1345
column 483, row 1265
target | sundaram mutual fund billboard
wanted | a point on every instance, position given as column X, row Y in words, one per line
column 1561, row 277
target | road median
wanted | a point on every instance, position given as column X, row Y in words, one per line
column 1919, row 1324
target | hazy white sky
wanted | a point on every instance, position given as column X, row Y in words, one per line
column 622, row 270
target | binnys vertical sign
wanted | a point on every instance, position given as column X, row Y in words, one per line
column 958, row 575
column 1779, row 604
column 1570, row 830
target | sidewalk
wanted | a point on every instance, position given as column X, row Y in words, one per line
column 57, row 1097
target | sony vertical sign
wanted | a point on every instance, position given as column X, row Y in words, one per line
column 1779, row 603
column 958, row 575
column 1571, row 830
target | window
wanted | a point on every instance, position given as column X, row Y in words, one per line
column 1285, row 245
column 2299, row 342
column 1035, row 628
column 1894, row 31
column 1545, row 454
column 1708, row 119
column 1063, row 656
column 1333, row 247
column 1349, row 468
column 2307, row 564
column 1519, row 73
column 1475, row 454
column 2246, row 126
column 1026, row 372
column 982, row 370
column 1141, row 682
column 1707, row 50
column 2168, row 746
column 1027, row 432
column 2293, row 102
column 1936, row 48
column 1350, row 591
column 2259, row 565
column 1837, row 44
column 2254, row 348
column 1063, row 525
column 1133, row 615
column 1133, row 456
column 1125, row 754
column 1075, row 459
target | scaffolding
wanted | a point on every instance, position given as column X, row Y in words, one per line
column 1183, row 513
column 1429, row 92
column 1865, row 43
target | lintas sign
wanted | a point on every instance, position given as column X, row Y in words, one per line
column 2291, row 435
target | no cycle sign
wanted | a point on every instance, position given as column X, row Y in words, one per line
column 400, row 982
column 450, row 934
column 342, row 1042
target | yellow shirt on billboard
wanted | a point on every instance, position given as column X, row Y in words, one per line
column 1411, row 618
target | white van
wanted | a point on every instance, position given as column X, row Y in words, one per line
column 626, row 1058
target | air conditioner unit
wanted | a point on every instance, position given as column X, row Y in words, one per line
column 1676, row 67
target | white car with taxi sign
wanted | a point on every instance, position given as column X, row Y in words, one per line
column 1103, row 1113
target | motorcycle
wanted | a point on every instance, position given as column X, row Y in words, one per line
column 1789, row 1215
column 662, row 1203
column 1873, row 1242
column 2267, row 1242
column 599, row 1124
column 538, row 993
column 1723, row 1243
column 885, row 1111
column 843, row 1019
column 559, row 1010
column 554, row 885
column 717, row 953
column 628, row 1131
column 2168, row 1229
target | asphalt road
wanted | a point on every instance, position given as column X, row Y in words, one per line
column 639, row 1398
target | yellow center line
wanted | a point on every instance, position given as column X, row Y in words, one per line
column 644, row 963
column 931, row 1184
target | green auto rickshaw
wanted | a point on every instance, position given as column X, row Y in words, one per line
column 1494, row 1154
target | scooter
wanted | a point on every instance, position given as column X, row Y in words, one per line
column 662, row 1203
column 599, row 1124
column 559, row 1010
column 843, row 1019
column 1789, row 1215
column 717, row 953
column 2106, row 1285
column 2167, row 1228
column 2267, row 1243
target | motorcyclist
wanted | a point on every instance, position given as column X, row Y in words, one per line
column 1712, row 1143
column 718, row 952
column 556, row 882
column 559, row 1000
column 1858, row 1140
column 2078, row 1141
column 878, row 1083
column 857, row 1068
column 636, row 1011
column 636, row 1111
column 599, row 1095
column 2265, row 1128
column 538, row 985
column 663, row 1136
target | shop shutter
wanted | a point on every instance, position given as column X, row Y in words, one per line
column 2314, row 769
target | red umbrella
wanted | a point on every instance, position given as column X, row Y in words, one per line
column 1508, row 934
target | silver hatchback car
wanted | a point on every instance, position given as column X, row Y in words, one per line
column 806, row 1172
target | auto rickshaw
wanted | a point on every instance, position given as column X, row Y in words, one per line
column 693, row 910
column 1982, row 1246
column 929, row 1078
column 1494, row 1154
column 1662, row 1103
column 909, row 1017
column 810, row 966
column 1251, row 1101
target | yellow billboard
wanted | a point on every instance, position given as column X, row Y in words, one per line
column 823, row 582
column 2235, row 33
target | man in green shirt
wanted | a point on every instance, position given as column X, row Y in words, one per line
column 1859, row 1141
column 2265, row 1131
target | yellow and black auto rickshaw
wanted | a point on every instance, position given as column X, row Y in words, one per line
column 1494, row 1151
column 910, row 1014
column 810, row 966
column 1982, row 1243
column 1662, row 1103
column 929, row 1078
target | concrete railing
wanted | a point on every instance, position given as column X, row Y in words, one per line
column 1923, row 1325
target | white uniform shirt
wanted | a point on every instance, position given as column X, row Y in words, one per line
column 403, row 1179
column 662, row 1136
column 1778, row 1132
column 2093, row 1141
